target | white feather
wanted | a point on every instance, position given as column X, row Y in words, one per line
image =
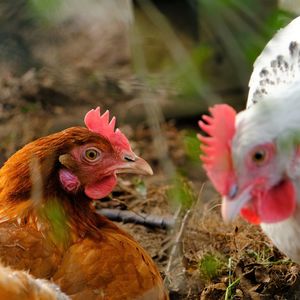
column 285, row 235
column 277, row 69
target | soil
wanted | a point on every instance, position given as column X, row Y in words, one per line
column 200, row 257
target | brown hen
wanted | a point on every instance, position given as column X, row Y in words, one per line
column 48, row 224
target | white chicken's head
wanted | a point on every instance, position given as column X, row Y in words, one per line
column 253, row 157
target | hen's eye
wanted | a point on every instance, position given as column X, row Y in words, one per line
column 92, row 154
column 259, row 156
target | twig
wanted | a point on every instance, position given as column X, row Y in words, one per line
column 127, row 216
column 174, row 250
column 175, row 270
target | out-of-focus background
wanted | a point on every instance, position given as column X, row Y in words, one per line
column 157, row 65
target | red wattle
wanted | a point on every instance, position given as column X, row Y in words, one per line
column 278, row 204
column 273, row 206
column 102, row 188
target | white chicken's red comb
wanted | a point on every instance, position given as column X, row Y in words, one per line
column 216, row 147
column 100, row 124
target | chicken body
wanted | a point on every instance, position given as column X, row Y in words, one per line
column 16, row 285
column 49, row 227
column 253, row 157
column 108, row 266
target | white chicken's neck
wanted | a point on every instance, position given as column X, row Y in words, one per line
column 285, row 234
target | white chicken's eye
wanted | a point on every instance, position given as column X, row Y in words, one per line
column 259, row 156
column 92, row 154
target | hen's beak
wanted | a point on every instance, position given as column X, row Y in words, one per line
column 234, row 202
column 134, row 165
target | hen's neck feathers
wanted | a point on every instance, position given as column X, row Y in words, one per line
column 30, row 187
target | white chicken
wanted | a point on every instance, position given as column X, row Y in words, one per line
column 253, row 157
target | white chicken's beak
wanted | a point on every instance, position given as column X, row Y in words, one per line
column 231, row 206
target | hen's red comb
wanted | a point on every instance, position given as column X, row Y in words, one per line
column 216, row 147
column 100, row 124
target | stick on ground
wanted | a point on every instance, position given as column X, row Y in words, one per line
column 126, row 216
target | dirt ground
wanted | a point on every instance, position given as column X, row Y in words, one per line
column 199, row 257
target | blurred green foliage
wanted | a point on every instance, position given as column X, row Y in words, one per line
column 181, row 192
column 189, row 72
column 54, row 213
column 140, row 186
column 30, row 107
column 252, row 45
column 211, row 266
column 231, row 35
column 191, row 146
column 44, row 10
column 247, row 24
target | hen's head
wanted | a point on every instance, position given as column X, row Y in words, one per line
column 96, row 155
column 252, row 159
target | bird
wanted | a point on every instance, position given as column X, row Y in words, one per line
column 48, row 222
column 253, row 157
column 16, row 285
